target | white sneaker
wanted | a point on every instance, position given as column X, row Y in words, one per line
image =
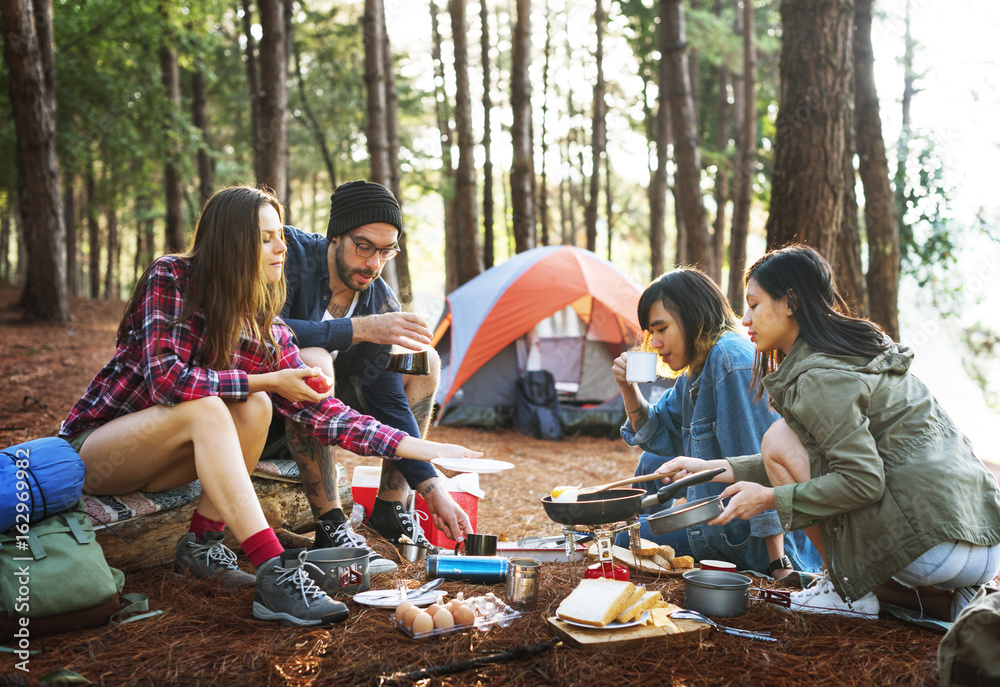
column 821, row 597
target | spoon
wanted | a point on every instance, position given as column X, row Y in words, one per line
column 687, row 614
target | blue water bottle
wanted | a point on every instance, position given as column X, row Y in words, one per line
column 482, row 569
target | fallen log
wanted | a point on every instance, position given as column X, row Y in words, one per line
column 152, row 539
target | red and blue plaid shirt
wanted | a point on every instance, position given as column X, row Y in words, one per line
column 157, row 365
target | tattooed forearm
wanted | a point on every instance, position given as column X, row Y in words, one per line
column 316, row 467
column 639, row 416
column 426, row 487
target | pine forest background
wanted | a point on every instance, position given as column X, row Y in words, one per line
column 653, row 132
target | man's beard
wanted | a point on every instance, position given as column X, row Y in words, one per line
column 346, row 273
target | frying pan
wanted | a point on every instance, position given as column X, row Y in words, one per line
column 685, row 515
column 617, row 505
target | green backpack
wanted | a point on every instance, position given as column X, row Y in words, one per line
column 969, row 653
column 54, row 578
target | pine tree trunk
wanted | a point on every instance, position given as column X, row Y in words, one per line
column 111, row 291
column 469, row 262
column 253, row 85
column 723, row 118
column 883, row 236
column 746, row 158
column 5, row 247
column 69, row 213
column 658, row 180
column 543, row 191
column 31, row 79
column 93, row 234
column 903, row 145
column 199, row 117
column 684, row 120
column 270, row 145
column 816, row 71
column 484, row 48
column 443, row 112
column 599, row 137
column 847, row 264
column 522, row 175
column 173, row 186
column 398, row 271
column 310, row 120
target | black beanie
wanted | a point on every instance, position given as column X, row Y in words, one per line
column 357, row 203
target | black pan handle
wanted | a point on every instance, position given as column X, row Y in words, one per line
column 669, row 491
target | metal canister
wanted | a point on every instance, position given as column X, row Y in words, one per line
column 482, row 569
column 522, row 583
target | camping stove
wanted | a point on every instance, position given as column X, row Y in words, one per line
column 604, row 536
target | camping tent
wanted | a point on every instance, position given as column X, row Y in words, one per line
column 567, row 310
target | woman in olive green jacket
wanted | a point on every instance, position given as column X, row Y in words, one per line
column 864, row 459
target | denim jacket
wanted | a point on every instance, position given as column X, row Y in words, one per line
column 711, row 417
column 307, row 284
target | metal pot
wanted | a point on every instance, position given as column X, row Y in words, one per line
column 713, row 592
column 617, row 505
column 685, row 515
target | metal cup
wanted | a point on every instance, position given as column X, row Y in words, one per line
column 341, row 571
column 522, row 583
column 412, row 552
column 479, row 545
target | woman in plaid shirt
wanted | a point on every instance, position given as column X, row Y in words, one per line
column 201, row 360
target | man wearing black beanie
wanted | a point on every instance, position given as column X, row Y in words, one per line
column 345, row 319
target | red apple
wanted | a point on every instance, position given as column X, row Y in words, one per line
column 320, row 383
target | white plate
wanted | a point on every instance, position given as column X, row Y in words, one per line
column 478, row 465
column 613, row 625
column 379, row 600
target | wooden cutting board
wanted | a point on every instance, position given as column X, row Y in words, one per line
column 586, row 638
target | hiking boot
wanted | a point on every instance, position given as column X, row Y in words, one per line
column 286, row 594
column 207, row 558
column 331, row 535
column 821, row 597
column 395, row 523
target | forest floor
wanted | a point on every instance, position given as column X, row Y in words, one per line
column 207, row 637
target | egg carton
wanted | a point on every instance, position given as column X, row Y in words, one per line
column 490, row 612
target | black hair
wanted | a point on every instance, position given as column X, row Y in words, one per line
column 801, row 274
column 697, row 303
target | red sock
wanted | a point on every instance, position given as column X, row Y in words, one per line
column 200, row 524
column 262, row 546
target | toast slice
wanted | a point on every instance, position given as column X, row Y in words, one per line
column 682, row 563
column 596, row 602
column 635, row 611
column 648, row 548
column 666, row 551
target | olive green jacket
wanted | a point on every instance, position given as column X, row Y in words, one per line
column 891, row 474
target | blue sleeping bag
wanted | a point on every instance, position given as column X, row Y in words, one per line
column 37, row 479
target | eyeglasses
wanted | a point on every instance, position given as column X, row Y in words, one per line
column 366, row 250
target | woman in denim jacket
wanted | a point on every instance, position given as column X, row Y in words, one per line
column 709, row 413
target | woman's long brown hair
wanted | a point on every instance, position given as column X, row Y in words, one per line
column 226, row 279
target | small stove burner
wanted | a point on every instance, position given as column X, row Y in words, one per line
column 604, row 535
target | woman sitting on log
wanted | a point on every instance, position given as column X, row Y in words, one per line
column 864, row 459
column 200, row 361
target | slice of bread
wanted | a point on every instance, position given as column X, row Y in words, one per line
column 634, row 612
column 662, row 562
column 648, row 548
column 666, row 551
column 596, row 601
column 682, row 563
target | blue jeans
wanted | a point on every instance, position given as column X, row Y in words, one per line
column 952, row 564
